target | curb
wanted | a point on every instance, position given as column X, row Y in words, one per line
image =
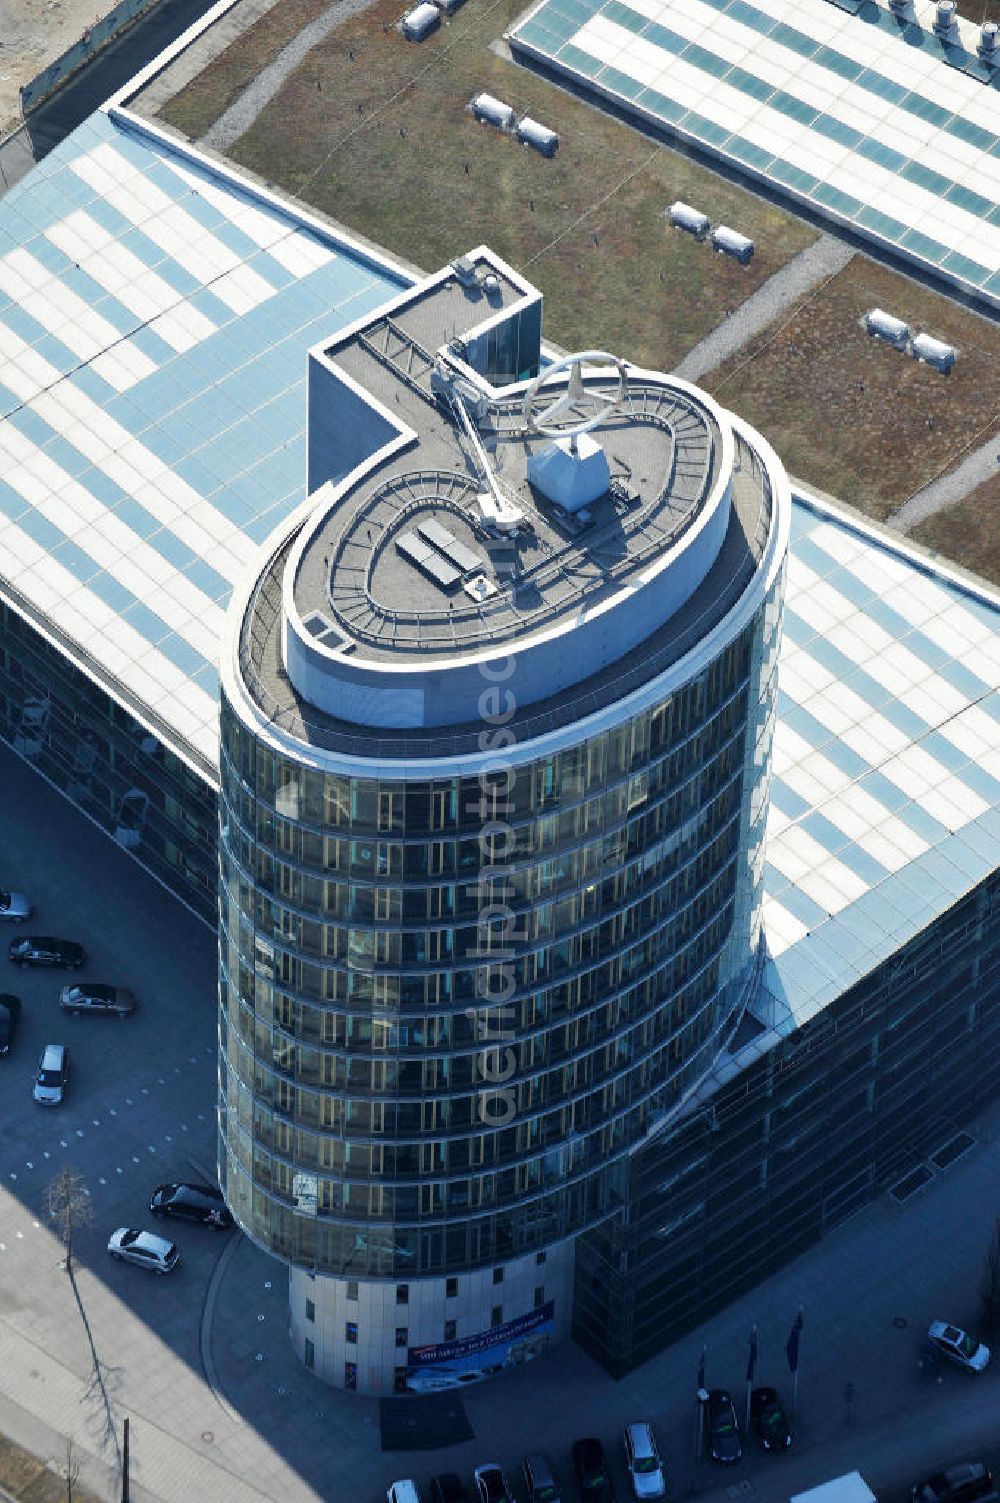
column 208, row 1319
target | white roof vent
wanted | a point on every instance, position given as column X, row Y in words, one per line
column 685, row 218
column 732, row 243
column 487, row 107
column 946, row 20
column 882, row 325
column 989, row 43
column 533, row 133
column 934, row 352
column 420, row 22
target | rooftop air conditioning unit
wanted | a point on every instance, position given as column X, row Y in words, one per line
column 683, row 217
column 533, row 133
column 732, row 243
column 884, row 326
column 420, row 22
column 934, row 352
column 492, row 110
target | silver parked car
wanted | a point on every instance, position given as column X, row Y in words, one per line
column 97, row 997
column 958, row 1346
column 50, row 1081
column 132, row 1245
column 645, row 1469
column 14, row 906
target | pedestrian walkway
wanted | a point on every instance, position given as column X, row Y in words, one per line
column 982, row 464
column 868, row 1292
column 255, row 98
column 797, row 278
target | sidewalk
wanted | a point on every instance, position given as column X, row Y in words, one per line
column 869, row 1292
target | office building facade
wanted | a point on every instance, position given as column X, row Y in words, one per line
column 483, row 929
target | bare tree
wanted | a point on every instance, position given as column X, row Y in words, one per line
column 67, row 1202
column 70, row 1469
column 989, row 1287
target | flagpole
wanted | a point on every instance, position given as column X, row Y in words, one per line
column 699, row 1418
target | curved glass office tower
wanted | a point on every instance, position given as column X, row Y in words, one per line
column 496, row 726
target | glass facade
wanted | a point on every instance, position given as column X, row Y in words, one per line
column 816, row 1128
column 91, row 747
column 450, row 1006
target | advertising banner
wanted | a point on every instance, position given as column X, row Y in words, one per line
column 453, row 1364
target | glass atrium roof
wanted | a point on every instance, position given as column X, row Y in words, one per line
column 857, row 115
column 885, row 799
column 154, row 324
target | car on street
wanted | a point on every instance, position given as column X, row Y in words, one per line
column 593, row 1476
column 955, row 1484
column 45, row 950
column 541, row 1484
column 51, row 1076
column 191, row 1202
column 491, row 1484
column 447, row 1488
column 130, row 1244
column 10, row 1012
column 770, row 1420
column 97, row 998
column 14, row 906
column 645, row 1469
column 958, row 1346
column 723, row 1429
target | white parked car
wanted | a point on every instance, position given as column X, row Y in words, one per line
column 958, row 1346
column 132, row 1245
column 14, row 906
column 646, row 1471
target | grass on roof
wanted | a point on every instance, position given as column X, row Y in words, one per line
column 969, row 531
column 375, row 131
column 852, row 415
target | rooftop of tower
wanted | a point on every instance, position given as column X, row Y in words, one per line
column 499, row 584
column 470, row 497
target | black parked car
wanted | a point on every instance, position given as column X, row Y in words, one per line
column 10, row 1011
column 191, row 1202
column 593, row 1476
column 448, row 1489
column 32, row 950
column 723, row 1429
column 770, row 1420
